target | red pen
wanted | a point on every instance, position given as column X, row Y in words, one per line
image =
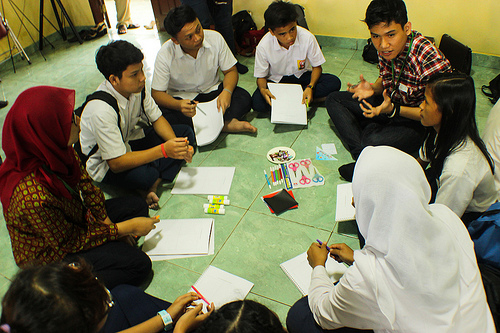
column 199, row 294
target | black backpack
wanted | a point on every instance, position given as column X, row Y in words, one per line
column 108, row 98
column 370, row 53
column 494, row 89
column 242, row 22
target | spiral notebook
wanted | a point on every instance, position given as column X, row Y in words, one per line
column 299, row 271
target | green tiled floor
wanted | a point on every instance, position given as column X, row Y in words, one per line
column 250, row 241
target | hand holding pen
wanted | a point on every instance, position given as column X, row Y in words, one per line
column 188, row 107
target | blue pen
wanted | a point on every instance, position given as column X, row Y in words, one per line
column 321, row 243
column 267, row 179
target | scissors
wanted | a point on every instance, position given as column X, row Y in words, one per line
column 294, row 166
column 304, row 180
column 306, row 163
column 317, row 178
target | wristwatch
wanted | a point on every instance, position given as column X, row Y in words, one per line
column 167, row 320
column 310, row 86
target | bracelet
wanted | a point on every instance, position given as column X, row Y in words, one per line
column 168, row 323
column 310, row 86
column 396, row 111
column 163, row 150
column 229, row 91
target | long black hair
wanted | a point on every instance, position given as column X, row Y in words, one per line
column 245, row 316
column 55, row 298
column 455, row 97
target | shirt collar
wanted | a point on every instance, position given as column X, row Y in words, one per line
column 277, row 46
column 121, row 100
column 179, row 53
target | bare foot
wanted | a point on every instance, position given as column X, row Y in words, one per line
column 237, row 126
column 152, row 200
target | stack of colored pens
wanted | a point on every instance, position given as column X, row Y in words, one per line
column 278, row 175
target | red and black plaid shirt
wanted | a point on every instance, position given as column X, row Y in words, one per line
column 424, row 60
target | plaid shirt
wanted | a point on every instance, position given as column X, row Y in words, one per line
column 424, row 60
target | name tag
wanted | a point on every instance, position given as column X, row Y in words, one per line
column 403, row 88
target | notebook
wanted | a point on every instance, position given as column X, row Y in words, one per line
column 221, row 287
column 287, row 108
column 345, row 210
column 207, row 122
column 299, row 271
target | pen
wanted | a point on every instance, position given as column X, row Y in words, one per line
column 199, row 294
column 321, row 243
column 307, row 102
column 267, row 179
column 198, row 108
column 157, row 217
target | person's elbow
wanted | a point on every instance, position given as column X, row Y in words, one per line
column 158, row 96
column 117, row 164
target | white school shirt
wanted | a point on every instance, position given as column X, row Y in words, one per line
column 466, row 183
column 491, row 138
column 181, row 75
column 273, row 61
column 98, row 124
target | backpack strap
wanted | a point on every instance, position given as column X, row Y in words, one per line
column 107, row 98
column 143, row 97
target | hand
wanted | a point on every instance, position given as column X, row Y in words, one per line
column 176, row 148
column 189, row 155
column 188, row 107
column 223, row 101
column 192, row 318
column 307, row 95
column 370, row 111
column 362, row 90
column 139, row 226
column 179, row 306
column 317, row 254
column 342, row 253
column 266, row 93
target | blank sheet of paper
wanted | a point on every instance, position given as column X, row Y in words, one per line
column 181, row 236
column 287, row 108
column 221, row 287
column 204, row 180
column 207, row 122
column 345, row 210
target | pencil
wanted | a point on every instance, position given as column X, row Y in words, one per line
column 199, row 294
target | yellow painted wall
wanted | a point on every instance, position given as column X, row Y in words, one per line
column 472, row 22
column 78, row 11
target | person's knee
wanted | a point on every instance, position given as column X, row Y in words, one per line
column 295, row 318
column 140, row 268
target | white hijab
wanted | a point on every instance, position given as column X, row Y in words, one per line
column 418, row 258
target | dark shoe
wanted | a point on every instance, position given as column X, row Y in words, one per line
column 3, row 104
column 122, row 29
column 347, row 171
column 133, row 26
column 242, row 69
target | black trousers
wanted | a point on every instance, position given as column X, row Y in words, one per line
column 116, row 262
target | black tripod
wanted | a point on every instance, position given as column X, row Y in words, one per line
column 59, row 22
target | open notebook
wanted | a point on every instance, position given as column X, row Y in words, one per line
column 345, row 210
column 299, row 271
column 221, row 287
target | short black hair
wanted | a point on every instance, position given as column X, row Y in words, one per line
column 115, row 57
column 279, row 14
column 386, row 11
column 177, row 18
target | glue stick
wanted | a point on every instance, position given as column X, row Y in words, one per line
column 218, row 199
column 214, row 209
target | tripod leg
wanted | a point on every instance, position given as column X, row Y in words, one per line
column 40, row 32
column 63, row 10
column 19, row 46
column 58, row 19
column 11, row 56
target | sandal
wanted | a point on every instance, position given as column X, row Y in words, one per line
column 133, row 26
column 122, row 29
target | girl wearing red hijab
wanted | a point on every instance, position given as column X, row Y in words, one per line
column 52, row 210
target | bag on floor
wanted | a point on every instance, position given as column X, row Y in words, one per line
column 242, row 23
column 301, row 16
column 485, row 233
column 493, row 90
column 459, row 55
column 370, row 53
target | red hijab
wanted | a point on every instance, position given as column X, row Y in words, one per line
column 35, row 133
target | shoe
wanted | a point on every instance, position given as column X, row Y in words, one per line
column 242, row 69
column 122, row 29
column 347, row 171
column 3, row 104
column 150, row 25
column 133, row 26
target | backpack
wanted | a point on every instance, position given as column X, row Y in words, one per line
column 109, row 99
column 494, row 89
column 242, row 23
column 485, row 233
column 459, row 55
column 491, row 282
column 370, row 53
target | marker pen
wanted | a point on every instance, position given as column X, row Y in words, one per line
column 321, row 243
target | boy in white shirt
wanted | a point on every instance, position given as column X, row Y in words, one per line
column 289, row 54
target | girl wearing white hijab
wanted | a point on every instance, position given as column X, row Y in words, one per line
column 417, row 271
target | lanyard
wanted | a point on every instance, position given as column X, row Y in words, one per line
column 396, row 82
column 69, row 188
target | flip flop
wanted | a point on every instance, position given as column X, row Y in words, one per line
column 122, row 29
column 150, row 25
column 133, row 26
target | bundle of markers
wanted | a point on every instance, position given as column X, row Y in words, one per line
column 216, row 204
column 278, row 175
